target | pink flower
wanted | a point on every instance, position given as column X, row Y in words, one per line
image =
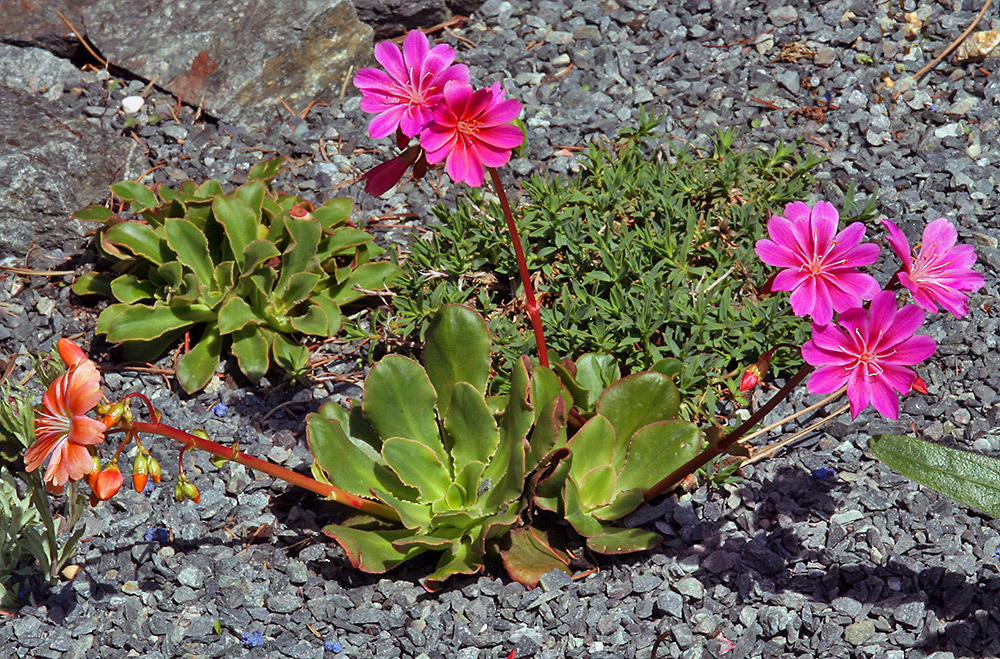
column 62, row 428
column 472, row 130
column 820, row 268
column 404, row 97
column 869, row 352
column 942, row 271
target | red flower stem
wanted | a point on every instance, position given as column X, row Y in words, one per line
column 522, row 265
column 269, row 468
column 718, row 448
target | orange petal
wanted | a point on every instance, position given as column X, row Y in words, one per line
column 83, row 390
column 85, row 430
column 40, row 450
column 70, row 352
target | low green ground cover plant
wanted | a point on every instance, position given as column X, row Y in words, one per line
column 646, row 254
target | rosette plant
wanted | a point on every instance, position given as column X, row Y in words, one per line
column 459, row 468
column 251, row 269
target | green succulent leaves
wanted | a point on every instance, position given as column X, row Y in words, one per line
column 460, row 469
column 251, row 270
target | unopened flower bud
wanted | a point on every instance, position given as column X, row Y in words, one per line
column 94, row 472
column 70, row 353
column 756, row 371
column 918, row 385
column 185, row 489
column 112, row 412
column 140, row 472
column 153, row 467
column 108, row 482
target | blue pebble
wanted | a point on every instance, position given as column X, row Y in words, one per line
column 220, row 409
column 252, row 639
column 333, row 646
column 824, row 473
column 997, row 553
column 158, row 535
column 149, row 489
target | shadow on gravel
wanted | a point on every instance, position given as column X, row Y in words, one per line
column 788, row 564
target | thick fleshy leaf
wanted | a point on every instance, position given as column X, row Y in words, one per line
column 470, row 430
column 321, row 319
column 239, row 222
column 506, row 471
column 368, row 277
column 459, row 560
column 140, row 322
column 399, row 401
column 597, row 487
column 417, row 466
column 94, row 213
column 300, row 256
column 266, row 170
column 591, row 446
column 93, row 283
column 623, row 503
column 234, row 315
column 596, row 372
column 549, row 432
column 457, row 349
column 257, row 252
column 141, row 239
column 531, row 555
column 372, row 551
column 636, row 401
column 969, row 478
column 350, row 465
column 129, row 289
column 656, row 451
column 297, row 288
column 622, row 541
column 141, row 197
column 191, row 246
column 197, row 367
column 290, row 356
column 335, row 212
column 252, row 350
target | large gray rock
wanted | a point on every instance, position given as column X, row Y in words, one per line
column 53, row 162
column 391, row 18
column 36, row 70
column 236, row 58
column 36, row 23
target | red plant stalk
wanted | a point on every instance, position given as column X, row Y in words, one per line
column 531, row 305
column 232, row 453
column 716, row 449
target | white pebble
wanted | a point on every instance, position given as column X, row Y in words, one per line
column 132, row 104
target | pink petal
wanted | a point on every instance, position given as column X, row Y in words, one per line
column 385, row 124
column 372, row 80
column 491, row 156
column 780, row 230
column 777, row 255
column 939, row 236
column 86, row 431
column 789, row 280
column 507, row 136
column 902, row 324
column 913, row 351
column 858, row 392
column 415, row 48
column 827, row 379
column 899, row 243
column 883, row 310
column 798, row 212
column 824, row 225
column 502, row 113
column 884, row 399
column 899, row 378
column 857, row 256
column 389, row 56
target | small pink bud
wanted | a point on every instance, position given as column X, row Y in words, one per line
column 750, row 379
column 919, row 386
column 71, row 353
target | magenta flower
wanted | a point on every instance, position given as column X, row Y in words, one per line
column 405, row 94
column 819, row 267
column 941, row 272
column 472, row 130
column 869, row 352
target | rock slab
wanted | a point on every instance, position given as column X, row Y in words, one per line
column 53, row 163
column 237, row 60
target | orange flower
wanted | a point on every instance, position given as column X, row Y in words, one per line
column 71, row 353
column 62, row 428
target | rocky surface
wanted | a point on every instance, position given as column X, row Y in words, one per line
column 821, row 551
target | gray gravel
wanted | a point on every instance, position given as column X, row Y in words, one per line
column 848, row 561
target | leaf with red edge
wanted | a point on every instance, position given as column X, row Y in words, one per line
column 531, row 555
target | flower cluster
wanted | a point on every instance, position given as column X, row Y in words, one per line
column 870, row 349
column 422, row 94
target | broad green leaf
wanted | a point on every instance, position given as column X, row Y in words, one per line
column 149, row 351
column 253, row 194
column 656, row 451
column 266, row 169
column 169, row 275
column 457, row 349
column 95, row 283
column 141, row 240
column 399, row 401
column 297, row 287
column 670, row 367
column 191, row 247
column 224, row 279
column 417, row 465
column 597, row 487
column 239, row 222
column 413, row 515
column 252, row 350
column 460, row 560
column 506, row 470
column 129, row 289
column 314, row 321
column 623, row 503
column 549, row 432
column 344, row 240
column 137, row 193
column 334, row 212
column 300, row 256
column 591, row 446
column 350, row 465
column 234, row 314
column 290, row 356
column 93, row 213
column 470, row 429
column 969, row 478
column 470, row 478
column 372, row 551
column 209, row 189
column 257, row 252
column 197, row 367
column 369, row 277
column 142, row 322
column 622, row 541
column 636, row 401
column 531, row 555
